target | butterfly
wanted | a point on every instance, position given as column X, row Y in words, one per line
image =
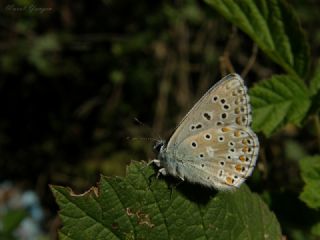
column 214, row 144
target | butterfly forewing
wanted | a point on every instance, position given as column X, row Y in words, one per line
column 224, row 104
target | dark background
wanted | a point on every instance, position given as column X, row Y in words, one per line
column 75, row 74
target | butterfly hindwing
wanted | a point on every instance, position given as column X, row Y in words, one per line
column 221, row 157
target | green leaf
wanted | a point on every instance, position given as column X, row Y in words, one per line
column 273, row 25
column 315, row 81
column 135, row 208
column 315, row 230
column 277, row 101
column 310, row 172
column 41, row 53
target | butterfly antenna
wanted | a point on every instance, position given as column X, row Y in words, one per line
column 142, row 138
column 148, row 127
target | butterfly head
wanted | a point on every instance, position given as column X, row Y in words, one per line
column 159, row 146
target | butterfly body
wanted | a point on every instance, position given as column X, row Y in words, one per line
column 214, row 144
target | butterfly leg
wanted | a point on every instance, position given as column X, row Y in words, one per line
column 181, row 178
column 162, row 171
column 155, row 161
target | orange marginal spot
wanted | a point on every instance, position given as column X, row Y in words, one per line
column 225, row 129
column 245, row 149
column 237, row 111
column 229, row 180
column 238, row 167
column 242, row 158
column 237, row 133
column 245, row 141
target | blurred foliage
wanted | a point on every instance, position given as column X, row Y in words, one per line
column 10, row 222
column 310, row 171
column 75, row 75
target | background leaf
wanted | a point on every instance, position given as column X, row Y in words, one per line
column 134, row 208
column 310, row 172
column 316, row 229
column 273, row 26
column 315, row 80
column 277, row 101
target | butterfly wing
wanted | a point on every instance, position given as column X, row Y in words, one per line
column 219, row 157
column 226, row 103
column 214, row 145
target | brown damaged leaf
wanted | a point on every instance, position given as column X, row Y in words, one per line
column 92, row 190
